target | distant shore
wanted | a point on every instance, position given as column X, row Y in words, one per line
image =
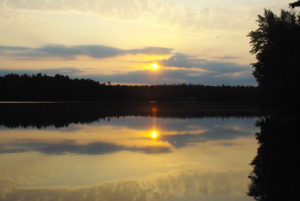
column 61, row 114
column 59, row 88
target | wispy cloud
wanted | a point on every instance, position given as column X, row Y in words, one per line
column 189, row 14
column 69, row 52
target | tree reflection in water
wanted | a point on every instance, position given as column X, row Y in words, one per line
column 276, row 169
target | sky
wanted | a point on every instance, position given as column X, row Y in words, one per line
column 191, row 41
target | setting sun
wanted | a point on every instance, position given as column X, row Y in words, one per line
column 154, row 66
column 154, row 134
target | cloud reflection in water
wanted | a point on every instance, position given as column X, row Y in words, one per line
column 132, row 158
column 123, row 135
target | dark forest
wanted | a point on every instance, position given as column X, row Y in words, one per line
column 41, row 87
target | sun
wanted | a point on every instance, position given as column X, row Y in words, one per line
column 154, row 134
column 154, row 66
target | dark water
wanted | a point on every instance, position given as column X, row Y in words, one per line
column 147, row 157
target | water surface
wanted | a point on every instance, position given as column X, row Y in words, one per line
column 130, row 158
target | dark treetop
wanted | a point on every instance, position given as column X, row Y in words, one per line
column 276, row 44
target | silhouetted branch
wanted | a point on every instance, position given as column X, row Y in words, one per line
column 295, row 4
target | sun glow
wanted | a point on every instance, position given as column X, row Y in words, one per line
column 154, row 66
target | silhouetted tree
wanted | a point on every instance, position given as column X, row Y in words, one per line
column 295, row 4
column 276, row 44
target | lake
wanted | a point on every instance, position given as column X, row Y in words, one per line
column 127, row 157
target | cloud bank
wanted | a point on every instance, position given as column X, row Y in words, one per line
column 69, row 52
column 186, row 61
column 188, row 69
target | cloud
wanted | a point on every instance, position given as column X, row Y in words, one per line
column 202, row 71
column 69, row 52
column 4, row 49
column 188, row 185
column 182, row 60
column 185, row 61
column 227, row 57
column 151, row 50
column 189, row 68
column 130, row 9
column 96, row 148
column 200, row 15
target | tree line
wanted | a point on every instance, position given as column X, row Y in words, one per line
column 40, row 87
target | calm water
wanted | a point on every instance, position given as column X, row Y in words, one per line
column 129, row 159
